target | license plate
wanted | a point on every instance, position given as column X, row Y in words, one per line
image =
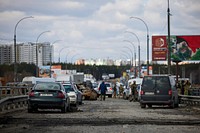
column 46, row 94
column 149, row 93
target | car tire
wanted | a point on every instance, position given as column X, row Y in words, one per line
column 143, row 105
column 172, row 105
column 64, row 109
column 149, row 105
column 30, row 110
column 110, row 96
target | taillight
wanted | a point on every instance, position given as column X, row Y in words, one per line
column 31, row 94
column 170, row 92
column 141, row 92
column 111, row 89
column 61, row 95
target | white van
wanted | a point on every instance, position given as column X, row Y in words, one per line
column 33, row 80
column 127, row 92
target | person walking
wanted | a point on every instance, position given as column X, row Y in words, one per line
column 114, row 90
column 134, row 91
column 103, row 90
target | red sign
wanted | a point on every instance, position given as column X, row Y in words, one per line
column 159, row 48
column 182, row 48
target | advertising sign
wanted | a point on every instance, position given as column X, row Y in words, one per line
column 183, row 48
column 159, row 48
column 44, row 71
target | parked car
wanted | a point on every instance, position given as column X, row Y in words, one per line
column 159, row 90
column 109, row 91
column 79, row 94
column 127, row 93
column 48, row 95
column 74, row 95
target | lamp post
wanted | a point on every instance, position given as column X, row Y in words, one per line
column 132, row 58
column 169, row 50
column 60, row 52
column 138, row 50
column 36, row 50
column 51, row 54
column 15, row 50
column 147, row 41
column 73, row 57
column 134, row 52
column 128, row 56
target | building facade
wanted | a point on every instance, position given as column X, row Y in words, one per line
column 26, row 52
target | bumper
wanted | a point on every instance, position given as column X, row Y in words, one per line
column 156, row 102
column 57, row 104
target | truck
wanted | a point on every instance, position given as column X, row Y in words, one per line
column 76, row 78
column 33, row 80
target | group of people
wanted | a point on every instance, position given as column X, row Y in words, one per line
column 118, row 91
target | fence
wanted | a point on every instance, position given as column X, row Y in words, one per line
column 10, row 91
column 194, row 92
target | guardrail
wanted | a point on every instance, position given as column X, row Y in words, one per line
column 12, row 97
column 10, row 103
column 9, row 91
column 189, row 100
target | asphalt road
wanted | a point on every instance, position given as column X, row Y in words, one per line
column 110, row 116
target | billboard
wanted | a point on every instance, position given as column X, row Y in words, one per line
column 44, row 71
column 183, row 48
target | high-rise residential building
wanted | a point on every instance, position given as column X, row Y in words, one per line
column 26, row 52
column 6, row 54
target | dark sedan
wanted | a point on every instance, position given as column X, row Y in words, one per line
column 48, row 95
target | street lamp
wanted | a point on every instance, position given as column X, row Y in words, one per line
column 15, row 50
column 147, row 41
column 51, row 54
column 36, row 50
column 73, row 57
column 134, row 49
column 60, row 52
column 169, row 50
column 138, row 50
column 132, row 58
column 127, row 55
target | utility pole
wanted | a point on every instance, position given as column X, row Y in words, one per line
column 169, row 47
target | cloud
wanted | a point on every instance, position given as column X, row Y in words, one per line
column 88, row 26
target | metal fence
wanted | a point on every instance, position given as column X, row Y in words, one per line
column 194, row 92
column 10, row 91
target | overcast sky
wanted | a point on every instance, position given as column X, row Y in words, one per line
column 96, row 28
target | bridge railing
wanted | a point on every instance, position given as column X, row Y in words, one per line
column 10, row 91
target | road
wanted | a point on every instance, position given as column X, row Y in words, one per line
column 110, row 116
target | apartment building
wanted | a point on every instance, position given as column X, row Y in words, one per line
column 26, row 52
column 6, row 54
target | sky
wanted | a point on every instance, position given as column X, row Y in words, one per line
column 93, row 29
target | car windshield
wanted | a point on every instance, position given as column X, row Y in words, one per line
column 68, row 88
column 47, row 86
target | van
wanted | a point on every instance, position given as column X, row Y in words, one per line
column 158, row 90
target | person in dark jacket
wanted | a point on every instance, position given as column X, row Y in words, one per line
column 103, row 90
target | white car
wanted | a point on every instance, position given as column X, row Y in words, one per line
column 109, row 91
column 70, row 90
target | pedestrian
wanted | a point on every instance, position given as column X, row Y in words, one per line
column 103, row 90
column 133, row 90
column 182, row 87
column 121, row 89
column 114, row 90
